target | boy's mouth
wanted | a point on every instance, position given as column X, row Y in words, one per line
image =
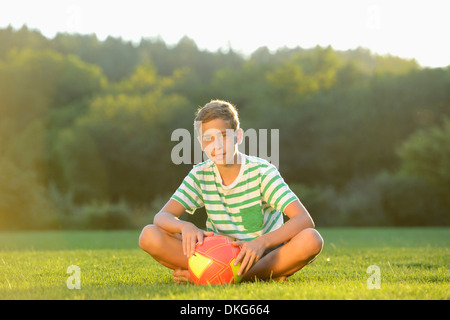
column 218, row 155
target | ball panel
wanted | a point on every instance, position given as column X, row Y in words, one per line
column 213, row 262
column 198, row 263
column 235, row 270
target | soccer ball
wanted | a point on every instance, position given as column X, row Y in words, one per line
column 213, row 262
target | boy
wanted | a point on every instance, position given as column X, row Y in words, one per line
column 244, row 197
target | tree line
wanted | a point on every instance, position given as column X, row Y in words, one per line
column 85, row 128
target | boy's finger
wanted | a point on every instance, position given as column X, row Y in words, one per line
column 249, row 263
column 188, row 246
column 192, row 248
column 243, row 265
column 183, row 244
column 239, row 257
column 200, row 238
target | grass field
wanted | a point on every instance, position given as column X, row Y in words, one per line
column 414, row 263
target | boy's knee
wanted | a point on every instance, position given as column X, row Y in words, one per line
column 316, row 241
column 150, row 237
column 312, row 239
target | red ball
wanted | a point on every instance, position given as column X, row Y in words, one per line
column 213, row 261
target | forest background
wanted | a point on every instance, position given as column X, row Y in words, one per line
column 86, row 125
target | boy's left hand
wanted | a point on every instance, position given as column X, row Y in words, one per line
column 251, row 252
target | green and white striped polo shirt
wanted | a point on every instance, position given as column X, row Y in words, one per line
column 251, row 206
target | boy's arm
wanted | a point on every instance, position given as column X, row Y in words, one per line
column 299, row 219
column 167, row 219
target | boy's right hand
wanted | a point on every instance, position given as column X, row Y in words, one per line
column 190, row 235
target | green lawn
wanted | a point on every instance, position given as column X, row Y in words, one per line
column 414, row 263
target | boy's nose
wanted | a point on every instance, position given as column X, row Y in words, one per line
column 218, row 144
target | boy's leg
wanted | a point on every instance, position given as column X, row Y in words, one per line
column 164, row 247
column 289, row 258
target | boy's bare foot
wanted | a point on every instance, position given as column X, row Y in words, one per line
column 181, row 276
column 281, row 279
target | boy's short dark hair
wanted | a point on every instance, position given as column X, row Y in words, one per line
column 217, row 109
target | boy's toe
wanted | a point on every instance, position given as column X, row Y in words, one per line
column 181, row 276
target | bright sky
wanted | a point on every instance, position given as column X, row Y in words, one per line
column 405, row 28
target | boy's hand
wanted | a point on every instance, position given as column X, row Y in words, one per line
column 190, row 235
column 251, row 252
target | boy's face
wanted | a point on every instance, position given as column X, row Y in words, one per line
column 218, row 141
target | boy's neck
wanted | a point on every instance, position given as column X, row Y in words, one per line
column 229, row 172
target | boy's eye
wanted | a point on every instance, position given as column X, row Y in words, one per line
column 208, row 138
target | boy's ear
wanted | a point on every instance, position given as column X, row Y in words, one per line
column 200, row 141
column 239, row 136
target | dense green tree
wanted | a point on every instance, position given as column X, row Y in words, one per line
column 36, row 87
column 21, row 39
column 121, row 146
column 425, row 154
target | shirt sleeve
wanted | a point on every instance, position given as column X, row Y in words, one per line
column 189, row 193
column 274, row 190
